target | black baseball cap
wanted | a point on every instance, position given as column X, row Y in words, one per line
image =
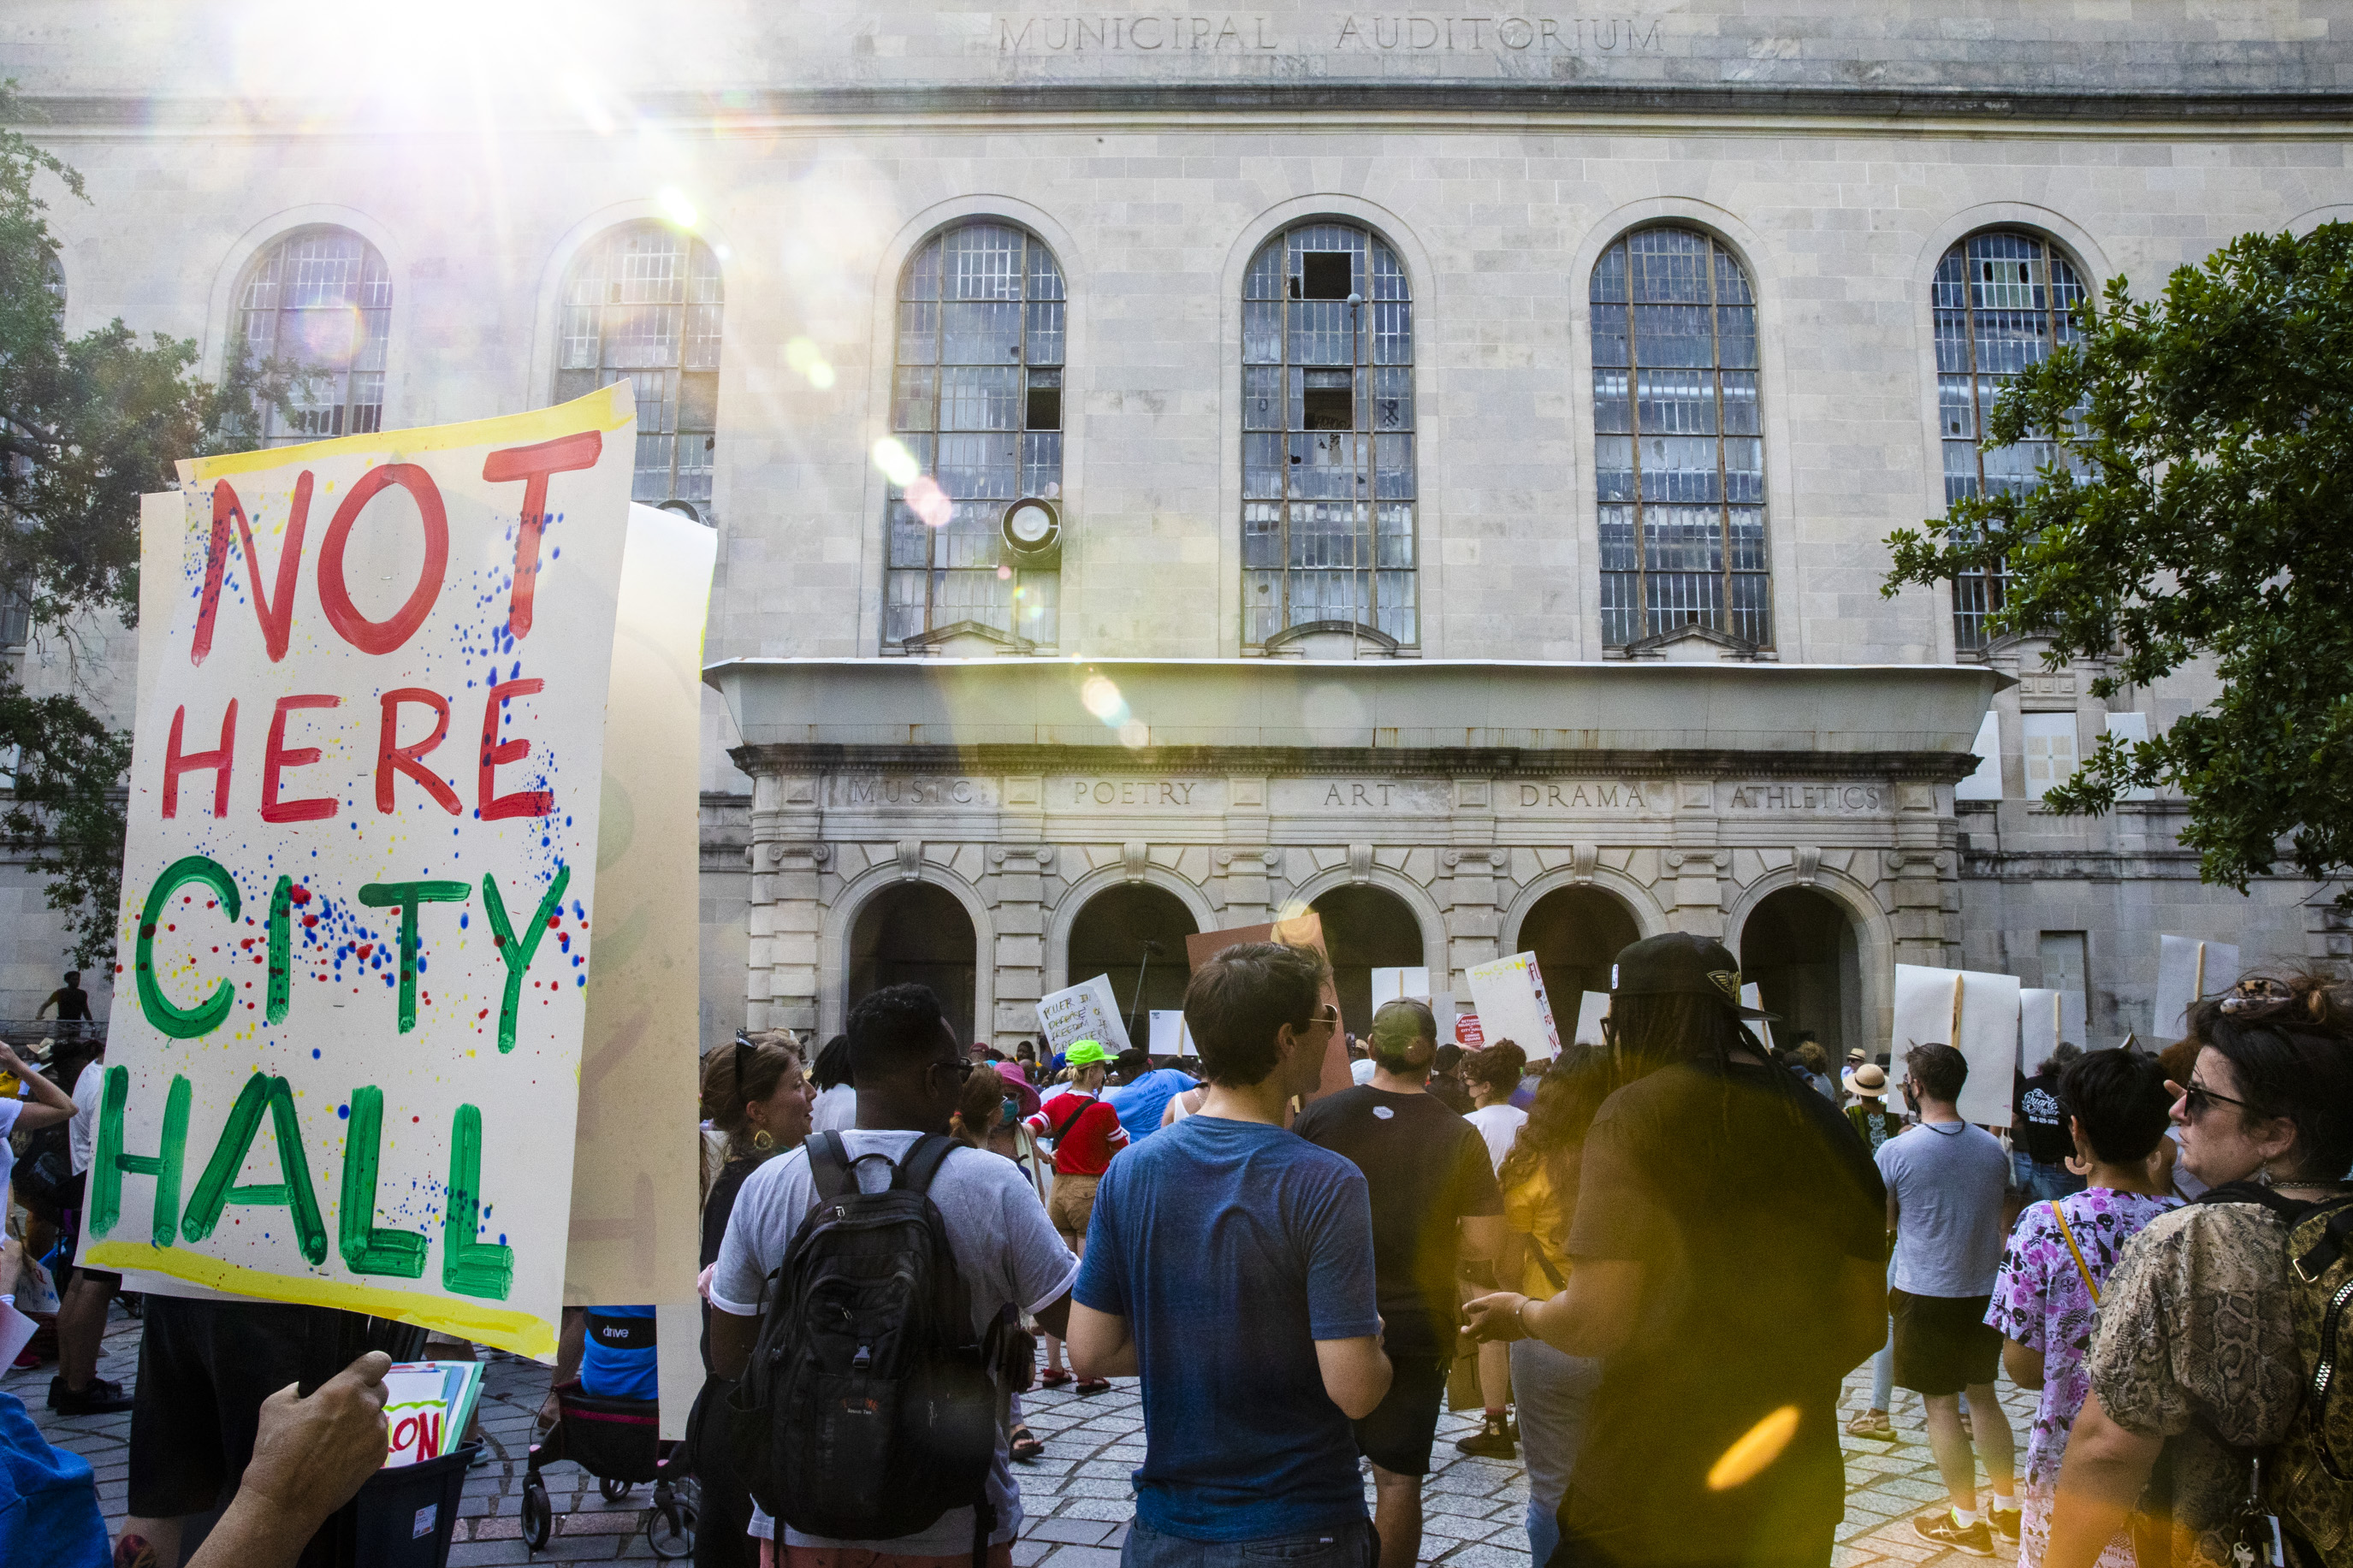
column 1682, row 964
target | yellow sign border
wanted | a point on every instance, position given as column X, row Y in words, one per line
column 538, row 424
column 501, row 1327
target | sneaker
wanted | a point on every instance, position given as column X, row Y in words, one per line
column 2006, row 1522
column 1490, row 1442
column 100, row 1397
column 1938, row 1528
column 1873, row 1424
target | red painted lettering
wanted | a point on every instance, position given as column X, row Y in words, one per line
column 334, row 593
column 533, row 465
column 391, row 759
column 277, row 619
column 276, row 757
column 496, row 752
column 176, row 763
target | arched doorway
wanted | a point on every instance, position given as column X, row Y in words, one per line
column 1800, row 948
column 1577, row 934
column 1135, row 931
column 915, row 932
column 1367, row 929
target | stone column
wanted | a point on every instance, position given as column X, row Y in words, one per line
column 1925, row 866
column 1695, row 861
column 787, row 912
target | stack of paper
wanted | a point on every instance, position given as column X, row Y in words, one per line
column 427, row 1406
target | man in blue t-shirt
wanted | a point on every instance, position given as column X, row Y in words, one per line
column 1230, row 1264
column 1143, row 1092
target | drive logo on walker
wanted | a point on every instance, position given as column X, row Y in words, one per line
column 359, row 882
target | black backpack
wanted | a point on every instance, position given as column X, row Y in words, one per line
column 869, row 1405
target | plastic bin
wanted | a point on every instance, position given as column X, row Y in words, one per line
column 407, row 1515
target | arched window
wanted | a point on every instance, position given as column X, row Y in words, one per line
column 1678, row 447
column 2002, row 302
column 320, row 300
column 1328, row 535
column 642, row 304
column 976, row 400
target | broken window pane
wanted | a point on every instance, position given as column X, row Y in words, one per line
column 1311, row 467
column 1678, row 458
column 983, row 301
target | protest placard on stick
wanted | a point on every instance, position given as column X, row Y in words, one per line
column 1087, row 1011
column 360, row 875
column 1976, row 1013
column 2189, row 969
column 1510, row 995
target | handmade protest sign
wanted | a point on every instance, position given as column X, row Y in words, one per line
column 360, row 874
column 1303, row 930
column 2189, row 969
column 1512, row 1004
column 1087, row 1011
column 1976, row 1013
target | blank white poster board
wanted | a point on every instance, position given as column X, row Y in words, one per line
column 1400, row 985
column 2188, row 969
column 1170, row 1037
column 1973, row 1012
column 1592, row 1006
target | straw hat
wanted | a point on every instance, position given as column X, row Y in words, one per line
column 1867, row 1082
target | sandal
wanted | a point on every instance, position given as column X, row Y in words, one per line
column 1052, row 1377
column 1091, row 1385
column 1871, row 1424
column 1024, row 1447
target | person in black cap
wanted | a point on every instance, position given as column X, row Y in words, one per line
column 1721, row 1201
column 1435, row 1205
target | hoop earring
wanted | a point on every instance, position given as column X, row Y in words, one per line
column 763, row 1140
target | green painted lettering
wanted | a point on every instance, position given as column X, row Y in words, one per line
column 468, row 1266
column 180, row 1023
column 294, row 1192
column 407, row 896
column 281, row 943
column 519, row 950
column 366, row 1248
column 109, row 1165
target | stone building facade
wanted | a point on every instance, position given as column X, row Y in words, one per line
column 1422, row 357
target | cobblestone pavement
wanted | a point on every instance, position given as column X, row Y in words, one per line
column 1077, row 1498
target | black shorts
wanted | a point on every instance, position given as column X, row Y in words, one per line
column 1398, row 1435
column 204, row 1367
column 1943, row 1343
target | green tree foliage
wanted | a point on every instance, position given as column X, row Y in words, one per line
column 87, row 424
column 2212, row 523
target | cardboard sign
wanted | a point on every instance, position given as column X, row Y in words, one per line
column 1592, row 1006
column 1399, row 985
column 427, row 1404
column 1086, row 1011
column 1513, row 1005
column 1975, row 1013
column 1304, row 930
column 2190, row 969
column 635, row 1204
column 1468, row 1033
column 1170, row 1036
column 360, row 873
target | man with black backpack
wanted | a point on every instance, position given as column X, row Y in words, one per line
column 866, row 1296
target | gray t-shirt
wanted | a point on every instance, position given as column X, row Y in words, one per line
column 1006, row 1253
column 1947, row 1179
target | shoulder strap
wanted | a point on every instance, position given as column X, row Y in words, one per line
column 922, row 1162
column 830, row 1165
column 2081, row 1267
column 1086, row 1103
column 2326, row 1251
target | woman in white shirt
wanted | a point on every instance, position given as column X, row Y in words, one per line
column 1490, row 1076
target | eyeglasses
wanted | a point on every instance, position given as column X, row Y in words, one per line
column 2202, row 1100
column 963, row 1067
column 1326, row 1017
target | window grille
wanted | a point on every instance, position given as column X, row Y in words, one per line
column 2003, row 301
column 976, row 400
column 642, row 304
column 1328, row 471
column 321, row 301
column 1678, row 450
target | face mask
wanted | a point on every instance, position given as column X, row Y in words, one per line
column 1012, row 1112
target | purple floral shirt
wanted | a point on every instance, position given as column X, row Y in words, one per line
column 2039, row 1299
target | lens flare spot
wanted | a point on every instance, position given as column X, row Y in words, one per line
column 1757, row 1447
column 677, row 208
column 897, row 463
column 1102, row 698
column 1004, row 574
column 928, row 501
column 1134, row 735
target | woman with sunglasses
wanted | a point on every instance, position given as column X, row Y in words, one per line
column 2194, row 1367
column 758, row 1104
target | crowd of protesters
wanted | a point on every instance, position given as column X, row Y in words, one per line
column 1654, row 1262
